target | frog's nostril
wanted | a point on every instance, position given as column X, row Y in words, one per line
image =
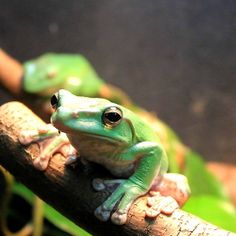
column 54, row 101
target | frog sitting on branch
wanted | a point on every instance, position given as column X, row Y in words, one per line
column 116, row 138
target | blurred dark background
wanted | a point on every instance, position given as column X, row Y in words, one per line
column 177, row 58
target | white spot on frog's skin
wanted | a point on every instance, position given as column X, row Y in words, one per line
column 74, row 81
column 31, row 68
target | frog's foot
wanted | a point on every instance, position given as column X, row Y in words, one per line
column 125, row 194
column 102, row 213
column 109, row 185
column 71, row 154
column 70, row 160
column 58, row 144
column 50, row 142
column 174, row 185
column 159, row 204
column 119, row 217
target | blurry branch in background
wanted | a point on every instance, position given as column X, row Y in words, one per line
column 226, row 173
column 11, row 72
column 69, row 189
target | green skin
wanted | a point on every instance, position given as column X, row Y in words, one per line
column 50, row 72
column 127, row 147
column 120, row 148
column 117, row 146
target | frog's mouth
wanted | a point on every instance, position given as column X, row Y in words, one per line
column 98, row 137
column 85, row 134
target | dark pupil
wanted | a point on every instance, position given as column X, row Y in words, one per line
column 54, row 101
column 113, row 116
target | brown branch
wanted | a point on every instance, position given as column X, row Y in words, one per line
column 69, row 189
column 11, row 72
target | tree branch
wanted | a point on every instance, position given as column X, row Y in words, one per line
column 69, row 189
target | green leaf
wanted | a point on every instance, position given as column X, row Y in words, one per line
column 214, row 210
column 62, row 222
column 201, row 181
column 50, row 213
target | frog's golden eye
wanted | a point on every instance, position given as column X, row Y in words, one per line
column 112, row 116
column 54, row 101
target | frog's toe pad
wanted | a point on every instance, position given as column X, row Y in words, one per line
column 159, row 204
column 70, row 160
column 102, row 214
column 26, row 137
column 41, row 163
column 98, row 184
column 152, row 213
column 119, row 218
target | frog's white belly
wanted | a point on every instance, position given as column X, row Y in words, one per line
column 103, row 151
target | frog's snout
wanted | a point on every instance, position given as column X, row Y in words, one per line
column 62, row 114
column 60, row 117
column 57, row 97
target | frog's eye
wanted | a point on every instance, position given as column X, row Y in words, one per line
column 54, row 101
column 112, row 116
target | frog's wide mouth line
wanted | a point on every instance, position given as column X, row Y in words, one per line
column 70, row 132
column 103, row 137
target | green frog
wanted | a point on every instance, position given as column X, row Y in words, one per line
column 50, row 72
column 116, row 138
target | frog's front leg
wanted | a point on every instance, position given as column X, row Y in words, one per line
column 40, row 133
column 149, row 158
column 50, row 141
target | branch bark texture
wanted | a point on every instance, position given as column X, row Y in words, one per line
column 69, row 189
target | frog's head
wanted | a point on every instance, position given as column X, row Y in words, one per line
column 50, row 72
column 95, row 117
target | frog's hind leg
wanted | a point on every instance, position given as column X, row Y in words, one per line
column 174, row 185
column 169, row 193
column 158, row 204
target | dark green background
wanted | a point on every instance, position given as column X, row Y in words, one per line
column 177, row 58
